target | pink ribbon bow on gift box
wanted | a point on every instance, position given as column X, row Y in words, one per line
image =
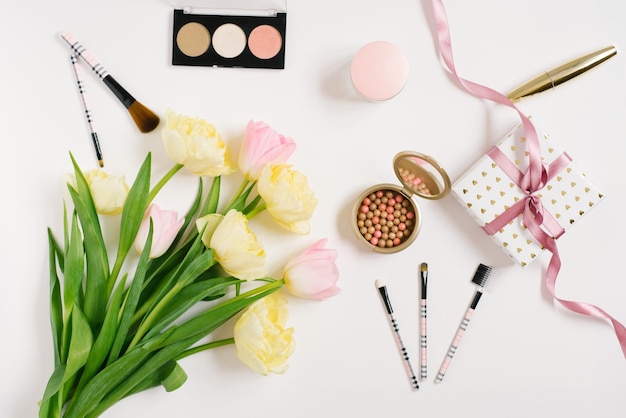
column 534, row 217
column 531, row 208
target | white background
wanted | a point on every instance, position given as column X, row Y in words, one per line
column 523, row 354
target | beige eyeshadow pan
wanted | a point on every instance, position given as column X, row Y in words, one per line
column 193, row 39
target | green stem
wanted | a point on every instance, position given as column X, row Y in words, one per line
column 117, row 267
column 237, row 194
column 191, row 272
column 270, row 285
column 157, row 188
column 147, row 323
column 254, row 212
column 204, row 347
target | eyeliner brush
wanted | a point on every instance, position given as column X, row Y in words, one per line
column 87, row 110
column 423, row 345
column 384, row 296
column 480, row 278
column 143, row 117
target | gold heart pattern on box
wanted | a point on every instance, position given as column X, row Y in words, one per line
column 486, row 191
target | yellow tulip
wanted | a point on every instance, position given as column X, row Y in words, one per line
column 234, row 245
column 197, row 145
column 261, row 340
column 109, row 192
column 287, row 196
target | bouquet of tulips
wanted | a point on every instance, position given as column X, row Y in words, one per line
column 121, row 329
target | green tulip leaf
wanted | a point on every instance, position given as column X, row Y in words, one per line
column 56, row 304
column 175, row 379
column 97, row 270
column 74, row 268
column 212, row 200
column 134, row 209
column 187, row 298
column 80, row 344
column 154, row 379
column 105, row 338
column 54, row 383
column 132, row 298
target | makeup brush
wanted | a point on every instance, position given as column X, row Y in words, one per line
column 423, row 345
column 480, row 278
column 143, row 117
column 87, row 111
column 384, row 296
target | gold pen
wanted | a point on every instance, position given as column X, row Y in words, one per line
column 559, row 75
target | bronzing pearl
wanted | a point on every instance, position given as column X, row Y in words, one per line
column 385, row 217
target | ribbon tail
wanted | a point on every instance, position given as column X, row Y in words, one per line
column 592, row 310
column 579, row 307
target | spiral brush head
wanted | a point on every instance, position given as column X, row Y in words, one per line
column 481, row 275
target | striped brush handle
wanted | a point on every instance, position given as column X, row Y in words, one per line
column 403, row 352
column 423, row 343
column 79, row 50
column 86, row 108
column 454, row 345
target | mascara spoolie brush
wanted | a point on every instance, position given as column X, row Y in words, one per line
column 143, row 117
column 480, row 278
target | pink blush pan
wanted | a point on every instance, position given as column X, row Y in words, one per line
column 379, row 71
column 265, row 42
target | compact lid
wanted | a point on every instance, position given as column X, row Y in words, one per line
column 379, row 70
column 421, row 175
column 237, row 7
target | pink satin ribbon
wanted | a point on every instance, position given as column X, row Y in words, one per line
column 533, row 180
column 532, row 202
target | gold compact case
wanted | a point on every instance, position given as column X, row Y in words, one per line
column 386, row 217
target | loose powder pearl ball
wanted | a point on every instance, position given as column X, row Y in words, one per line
column 385, row 219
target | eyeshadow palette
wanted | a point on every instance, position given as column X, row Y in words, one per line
column 229, row 40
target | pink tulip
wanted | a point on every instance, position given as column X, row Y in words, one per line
column 313, row 274
column 165, row 226
column 262, row 145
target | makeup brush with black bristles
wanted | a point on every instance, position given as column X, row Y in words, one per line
column 144, row 118
column 480, row 278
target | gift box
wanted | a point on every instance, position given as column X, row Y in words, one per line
column 492, row 186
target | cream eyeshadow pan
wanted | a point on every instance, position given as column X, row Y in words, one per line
column 229, row 41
